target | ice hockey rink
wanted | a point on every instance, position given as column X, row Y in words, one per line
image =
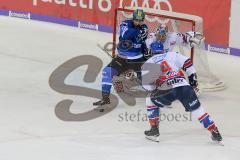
column 29, row 129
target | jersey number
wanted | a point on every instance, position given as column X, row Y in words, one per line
column 165, row 67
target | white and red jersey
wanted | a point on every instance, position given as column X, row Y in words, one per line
column 173, row 38
column 166, row 71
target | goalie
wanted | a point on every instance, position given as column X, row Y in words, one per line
column 171, row 39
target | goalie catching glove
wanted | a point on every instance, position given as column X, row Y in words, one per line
column 194, row 38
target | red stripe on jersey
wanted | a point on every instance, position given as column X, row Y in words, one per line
column 187, row 64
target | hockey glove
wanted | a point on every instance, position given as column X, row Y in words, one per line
column 146, row 52
column 193, row 80
column 143, row 33
column 194, row 38
column 194, row 83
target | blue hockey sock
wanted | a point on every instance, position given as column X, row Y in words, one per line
column 153, row 115
column 207, row 122
column 106, row 88
column 107, row 75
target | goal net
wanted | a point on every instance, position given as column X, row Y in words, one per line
column 176, row 22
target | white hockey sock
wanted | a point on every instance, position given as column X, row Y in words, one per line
column 204, row 118
column 198, row 112
column 149, row 102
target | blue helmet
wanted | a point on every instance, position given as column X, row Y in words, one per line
column 156, row 48
column 139, row 14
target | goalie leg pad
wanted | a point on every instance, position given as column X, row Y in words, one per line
column 118, row 85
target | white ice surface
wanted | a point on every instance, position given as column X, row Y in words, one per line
column 29, row 129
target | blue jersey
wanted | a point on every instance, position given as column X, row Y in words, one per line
column 131, row 43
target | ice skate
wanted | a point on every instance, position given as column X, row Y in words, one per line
column 152, row 134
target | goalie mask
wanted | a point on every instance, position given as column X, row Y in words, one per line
column 161, row 33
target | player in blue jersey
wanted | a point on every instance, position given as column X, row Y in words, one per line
column 131, row 48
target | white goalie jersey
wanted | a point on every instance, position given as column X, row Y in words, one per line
column 165, row 71
column 173, row 39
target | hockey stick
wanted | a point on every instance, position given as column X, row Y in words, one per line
column 104, row 50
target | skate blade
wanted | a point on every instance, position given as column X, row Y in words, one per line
column 102, row 108
column 99, row 109
column 220, row 143
column 153, row 138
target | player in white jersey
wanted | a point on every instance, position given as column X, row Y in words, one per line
column 163, row 78
column 171, row 39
